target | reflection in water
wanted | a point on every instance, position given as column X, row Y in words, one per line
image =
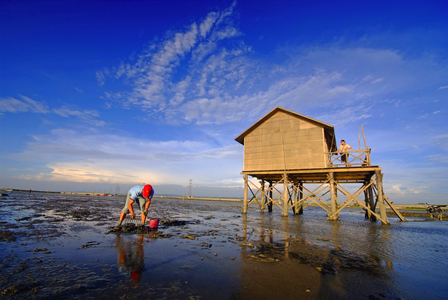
column 130, row 258
column 328, row 252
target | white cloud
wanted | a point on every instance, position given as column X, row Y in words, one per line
column 377, row 80
column 191, row 78
column 151, row 75
column 346, row 115
column 100, row 77
column 13, row 105
column 66, row 112
column 207, row 24
column 93, row 156
column 86, row 115
column 441, row 141
column 422, row 116
column 443, row 87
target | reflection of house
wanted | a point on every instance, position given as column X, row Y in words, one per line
column 287, row 150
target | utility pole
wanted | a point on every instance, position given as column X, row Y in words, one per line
column 189, row 195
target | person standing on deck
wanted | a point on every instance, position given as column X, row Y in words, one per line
column 343, row 148
column 142, row 194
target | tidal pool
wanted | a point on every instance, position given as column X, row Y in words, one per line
column 65, row 247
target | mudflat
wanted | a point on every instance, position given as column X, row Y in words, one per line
column 68, row 246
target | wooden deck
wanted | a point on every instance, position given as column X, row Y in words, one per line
column 342, row 175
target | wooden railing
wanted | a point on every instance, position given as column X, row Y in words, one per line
column 355, row 158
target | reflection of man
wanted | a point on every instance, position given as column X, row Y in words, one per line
column 343, row 148
column 130, row 258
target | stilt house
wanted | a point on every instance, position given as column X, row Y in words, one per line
column 285, row 151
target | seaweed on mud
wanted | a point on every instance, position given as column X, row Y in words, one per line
column 7, row 236
column 17, row 288
column 167, row 222
column 81, row 213
column 6, row 226
column 132, row 228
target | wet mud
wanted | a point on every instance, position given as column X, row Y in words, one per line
column 69, row 247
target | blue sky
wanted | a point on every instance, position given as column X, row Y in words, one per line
column 100, row 94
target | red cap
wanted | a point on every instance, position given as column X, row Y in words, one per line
column 147, row 190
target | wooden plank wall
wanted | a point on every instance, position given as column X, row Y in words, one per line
column 284, row 142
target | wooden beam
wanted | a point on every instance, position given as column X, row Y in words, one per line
column 349, row 199
column 334, row 197
column 245, row 194
column 379, row 184
column 285, row 195
column 263, row 196
column 348, row 195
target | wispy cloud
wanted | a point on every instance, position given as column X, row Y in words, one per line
column 100, row 77
column 206, row 74
column 347, row 115
column 85, row 115
column 441, row 141
column 13, row 105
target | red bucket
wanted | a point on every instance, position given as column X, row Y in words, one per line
column 154, row 223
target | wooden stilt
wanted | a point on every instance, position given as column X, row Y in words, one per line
column 300, row 198
column 379, row 186
column 296, row 199
column 263, row 196
column 285, row 195
column 371, row 203
column 270, row 204
column 367, row 199
column 334, row 197
column 245, row 194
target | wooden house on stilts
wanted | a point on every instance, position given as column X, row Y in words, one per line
column 285, row 153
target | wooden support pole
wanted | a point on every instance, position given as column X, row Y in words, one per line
column 379, row 186
column 371, row 203
column 263, row 197
column 365, row 143
column 359, row 141
column 300, row 197
column 285, row 195
column 296, row 198
column 334, row 197
column 366, row 200
column 270, row 204
column 399, row 215
column 245, row 194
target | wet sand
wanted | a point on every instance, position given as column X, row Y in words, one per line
column 67, row 247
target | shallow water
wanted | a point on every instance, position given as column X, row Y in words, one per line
column 58, row 246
